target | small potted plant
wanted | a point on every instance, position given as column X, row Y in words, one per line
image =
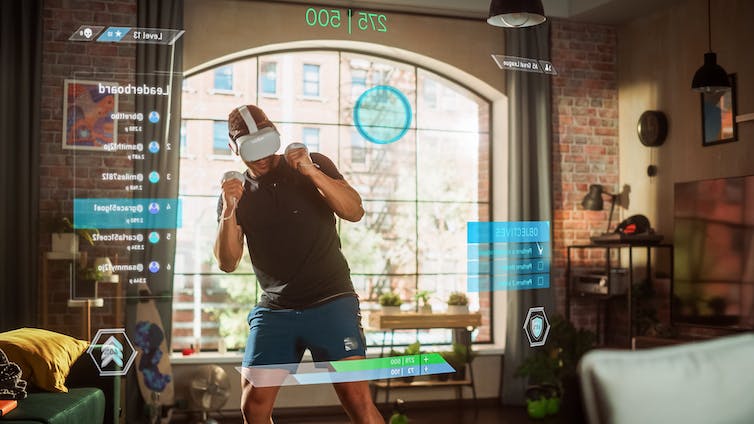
column 458, row 358
column 65, row 238
column 552, row 374
column 422, row 298
column 542, row 370
column 390, row 303
column 412, row 349
column 458, row 303
column 86, row 283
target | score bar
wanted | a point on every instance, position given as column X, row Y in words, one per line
column 126, row 35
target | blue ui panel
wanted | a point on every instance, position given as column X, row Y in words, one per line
column 508, row 255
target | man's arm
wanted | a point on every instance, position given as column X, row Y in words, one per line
column 342, row 198
column 229, row 242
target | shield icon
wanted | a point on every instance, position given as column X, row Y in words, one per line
column 537, row 326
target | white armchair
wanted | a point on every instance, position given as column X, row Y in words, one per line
column 702, row 382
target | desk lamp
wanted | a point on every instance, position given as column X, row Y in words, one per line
column 593, row 201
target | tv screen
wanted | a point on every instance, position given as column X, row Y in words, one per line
column 714, row 252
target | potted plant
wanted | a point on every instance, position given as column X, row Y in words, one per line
column 422, row 298
column 390, row 303
column 542, row 369
column 457, row 358
column 551, row 370
column 65, row 238
column 412, row 349
column 458, row 303
column 86, row 282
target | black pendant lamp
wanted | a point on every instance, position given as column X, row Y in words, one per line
column 516, row 13
column 711, row 77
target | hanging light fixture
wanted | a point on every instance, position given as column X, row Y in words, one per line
column 516, row 13
column 711, row 77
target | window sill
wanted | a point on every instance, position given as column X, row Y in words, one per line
column 224, row 92
column 312, row 98
column 272, row 96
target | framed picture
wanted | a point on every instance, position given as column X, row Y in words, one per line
column 719, row 116
column 87, row 115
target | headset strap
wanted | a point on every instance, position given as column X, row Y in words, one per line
column 250, row 124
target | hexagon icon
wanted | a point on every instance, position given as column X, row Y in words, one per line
column 536, row 326
column 113, row 351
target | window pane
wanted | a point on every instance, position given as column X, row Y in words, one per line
column 220, row 138
column 268, row 77
column 196, row 238
column 291, row 103
column 310, row 137
column 208, row 307
column 358, row 149
column 384, row 241
column 445, row 105
column 448, row 166
column 379, row 171
column 442, row 235
column 224, row 78
column 202, row 101
column 373, row 71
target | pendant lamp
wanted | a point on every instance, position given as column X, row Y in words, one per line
column 711, row 77
column 516, row 13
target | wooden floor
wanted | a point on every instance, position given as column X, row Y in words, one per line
column 452, row 414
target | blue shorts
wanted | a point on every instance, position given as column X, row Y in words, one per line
column 331, row 331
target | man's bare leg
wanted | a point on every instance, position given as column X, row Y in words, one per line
column 356, row 399
column 258, row 400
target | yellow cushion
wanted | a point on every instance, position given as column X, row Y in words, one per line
column 45, row 357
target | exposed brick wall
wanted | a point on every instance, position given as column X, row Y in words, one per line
column 585, row 147
column 62, row 170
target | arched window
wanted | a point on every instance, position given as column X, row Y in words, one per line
column 414, row 144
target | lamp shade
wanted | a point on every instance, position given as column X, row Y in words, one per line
column 593, row 200
column 711, row 77
column 516, row 13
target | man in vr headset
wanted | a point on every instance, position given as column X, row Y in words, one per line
column 285, row 207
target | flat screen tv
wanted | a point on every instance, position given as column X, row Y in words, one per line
column 714, row 253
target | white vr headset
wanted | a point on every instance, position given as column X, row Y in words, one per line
column 258, row 144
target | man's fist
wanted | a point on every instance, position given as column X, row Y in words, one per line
column 232, row 192
column 297, row 156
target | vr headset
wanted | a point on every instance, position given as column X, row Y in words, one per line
column 258, row 144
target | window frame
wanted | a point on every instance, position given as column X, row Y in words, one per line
column 380, row 76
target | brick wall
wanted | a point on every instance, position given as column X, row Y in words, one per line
column 62, row 170
column 585, row 146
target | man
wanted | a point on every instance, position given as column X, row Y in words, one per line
column 284, row 208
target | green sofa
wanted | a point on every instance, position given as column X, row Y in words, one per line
column 91, row 399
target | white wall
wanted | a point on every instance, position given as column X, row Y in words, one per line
column 657, row 58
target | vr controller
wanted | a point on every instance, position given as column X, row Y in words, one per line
column 234, row 175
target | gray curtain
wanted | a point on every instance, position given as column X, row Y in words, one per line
column 529, row 185
column 157, row 65
column 20, row 85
